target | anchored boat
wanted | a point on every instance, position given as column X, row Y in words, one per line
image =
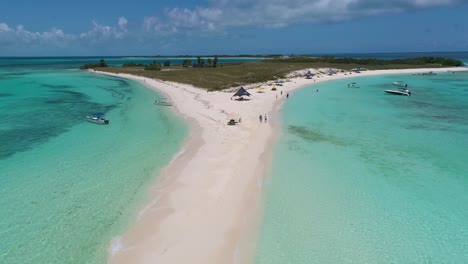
column 400, row 84
column 353, row 85
column 97, row 118
column 404, row 92
column 163, row 102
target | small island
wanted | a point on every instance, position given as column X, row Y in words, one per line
column 207, row 73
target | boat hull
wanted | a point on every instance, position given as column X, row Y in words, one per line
column 400, row 84
column 353, row 85
column 395, row 92
column 163, row 103
column 99, row 121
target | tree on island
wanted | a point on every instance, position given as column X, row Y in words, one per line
column 100, row 64
column 186, row 63
column 155, row 66
column 200, row 63
column 132, row 64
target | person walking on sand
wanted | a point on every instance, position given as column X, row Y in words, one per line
column 266, row 118
column 260, row 118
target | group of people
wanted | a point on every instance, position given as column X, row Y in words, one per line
column 264, row 118
column 287, row 95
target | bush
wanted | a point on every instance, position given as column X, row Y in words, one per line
column 167, row 63
column 100, row 64
column 187, row 63
column 155, row 66
column 132, row 64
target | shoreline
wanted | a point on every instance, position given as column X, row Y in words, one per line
column 207, row 203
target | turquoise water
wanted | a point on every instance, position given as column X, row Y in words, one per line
column 68, row 186
column 360, row 176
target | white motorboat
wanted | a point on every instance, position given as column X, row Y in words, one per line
column 400, row 84
column 97, row 118
column 163, row 102
column 404, row 92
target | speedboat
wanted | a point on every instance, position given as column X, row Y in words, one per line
column 353, row 85
column 163, row 102
column 400, row 84
column 404, row 92
column 97, row 118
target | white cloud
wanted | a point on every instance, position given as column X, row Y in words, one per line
column 123, row 24
column 152, row 24
column 55, row 39
column 221, row 14
column 101, row 33
column 20, row 35
column 4, row 27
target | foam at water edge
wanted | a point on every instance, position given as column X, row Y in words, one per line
column 147, row 207
column 177, row 155
column 116, row 245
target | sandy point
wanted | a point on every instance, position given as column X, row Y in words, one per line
column 206, row 205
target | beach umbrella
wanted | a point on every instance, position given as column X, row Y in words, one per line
column 241, row 92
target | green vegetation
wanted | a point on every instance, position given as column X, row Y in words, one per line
column 100, row 64
column 237, row 74
column 155, row 66
column 421, row 61
column 132, row 64
column 187, row 63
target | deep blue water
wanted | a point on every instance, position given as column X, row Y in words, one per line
column 75, row 62
column 462, row 55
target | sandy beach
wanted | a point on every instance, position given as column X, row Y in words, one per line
column 206, row 205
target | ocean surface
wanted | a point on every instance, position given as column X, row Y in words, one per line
column 67, row 186
column 61, row 63
column 360, row 176
column 461, row 55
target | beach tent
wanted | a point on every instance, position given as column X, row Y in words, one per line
column 309, row 75
column 241, row 92
column 331, row 72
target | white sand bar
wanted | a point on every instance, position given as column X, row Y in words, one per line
column 206, row 204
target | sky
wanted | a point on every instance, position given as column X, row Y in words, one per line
column 231, row 27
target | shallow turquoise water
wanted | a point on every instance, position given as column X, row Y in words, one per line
column 360, row 176
column 68, row 186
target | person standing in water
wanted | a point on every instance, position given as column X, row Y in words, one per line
column 287, row 95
